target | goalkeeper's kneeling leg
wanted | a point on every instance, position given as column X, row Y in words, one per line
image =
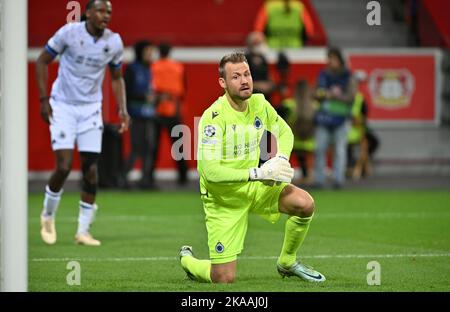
column 296, row 202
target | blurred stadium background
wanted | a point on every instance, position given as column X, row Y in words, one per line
column 399, row 216
column 413, row 136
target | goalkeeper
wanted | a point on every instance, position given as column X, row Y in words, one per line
column 232, row 185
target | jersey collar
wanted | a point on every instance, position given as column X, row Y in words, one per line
column 231, row 109
column 95, row 39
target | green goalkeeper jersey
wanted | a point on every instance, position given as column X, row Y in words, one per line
column 229, row 140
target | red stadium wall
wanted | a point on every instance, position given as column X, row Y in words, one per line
column 183, row 23
column 411, row 75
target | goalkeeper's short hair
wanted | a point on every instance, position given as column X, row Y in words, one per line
column 234, row 58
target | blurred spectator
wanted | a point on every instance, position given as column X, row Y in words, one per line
column 335, row 91
column 262, row 81
column 169, row 84
column 299, row 114
column 140, row 107
column 286, row 23
column 361, row 138
column 259, row 67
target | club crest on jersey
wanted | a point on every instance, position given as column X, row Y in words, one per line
column 106, row 49
column 257, row 123
column 219, row 247
column 214, row 114
column 209, row 131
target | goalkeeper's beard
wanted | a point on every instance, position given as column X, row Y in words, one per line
column 238, row 97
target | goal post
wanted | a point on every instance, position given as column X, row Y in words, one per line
column 13, row 145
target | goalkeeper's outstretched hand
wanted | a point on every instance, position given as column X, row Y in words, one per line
column 275, row 169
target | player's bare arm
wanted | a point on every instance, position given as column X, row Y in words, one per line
column 118, row 86
column 42, row 62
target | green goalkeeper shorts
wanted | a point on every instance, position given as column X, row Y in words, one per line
column 227, row 215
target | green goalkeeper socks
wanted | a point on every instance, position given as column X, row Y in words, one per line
column 200, row 270
column 295, row 233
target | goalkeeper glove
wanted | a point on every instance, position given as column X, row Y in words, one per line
column 275, row 169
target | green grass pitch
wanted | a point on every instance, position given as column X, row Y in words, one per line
column 407, row 232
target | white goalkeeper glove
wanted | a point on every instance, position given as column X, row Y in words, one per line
column 275, row 169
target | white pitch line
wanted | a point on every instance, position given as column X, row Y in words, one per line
column 144, row 259
column 344, row 215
